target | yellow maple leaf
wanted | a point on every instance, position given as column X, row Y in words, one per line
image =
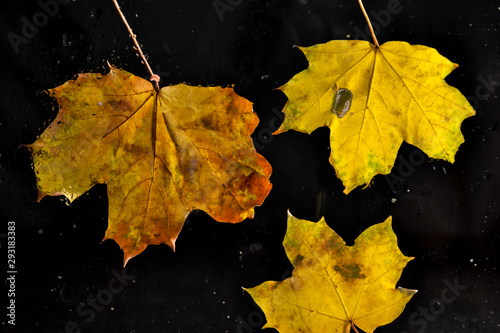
column 334, row 286
column 398, row 93
column 161, row 154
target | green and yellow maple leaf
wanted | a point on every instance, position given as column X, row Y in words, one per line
column 398, row 94
column 334, row 286
column 162, row 154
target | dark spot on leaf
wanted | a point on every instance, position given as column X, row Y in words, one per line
column 120, row 105
column 298, row 260
column 349, row 271
column 208, row 123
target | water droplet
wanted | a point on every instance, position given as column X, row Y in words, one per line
column 170, row 48
column 341, row 101
column 96, row 13
column 67, row 39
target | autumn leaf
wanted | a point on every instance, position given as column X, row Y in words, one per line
column 334, row 286
column 161, row 154
column 398, row 93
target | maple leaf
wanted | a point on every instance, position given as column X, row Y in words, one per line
column 161, row 154
column 334, row 286
column 398, row 93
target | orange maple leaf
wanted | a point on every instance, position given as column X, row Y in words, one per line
column 162, row 154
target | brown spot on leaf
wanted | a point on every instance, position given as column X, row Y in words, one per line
column 349, row 271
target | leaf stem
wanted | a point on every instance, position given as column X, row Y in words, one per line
column 354, row 327
column 375, row 41
column 155, row 78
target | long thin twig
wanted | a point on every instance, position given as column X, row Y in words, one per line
column 155, row 78
column 375, row 41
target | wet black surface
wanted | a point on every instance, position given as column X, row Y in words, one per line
column 445, row 215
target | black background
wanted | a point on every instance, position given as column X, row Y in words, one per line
column 445, row 215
